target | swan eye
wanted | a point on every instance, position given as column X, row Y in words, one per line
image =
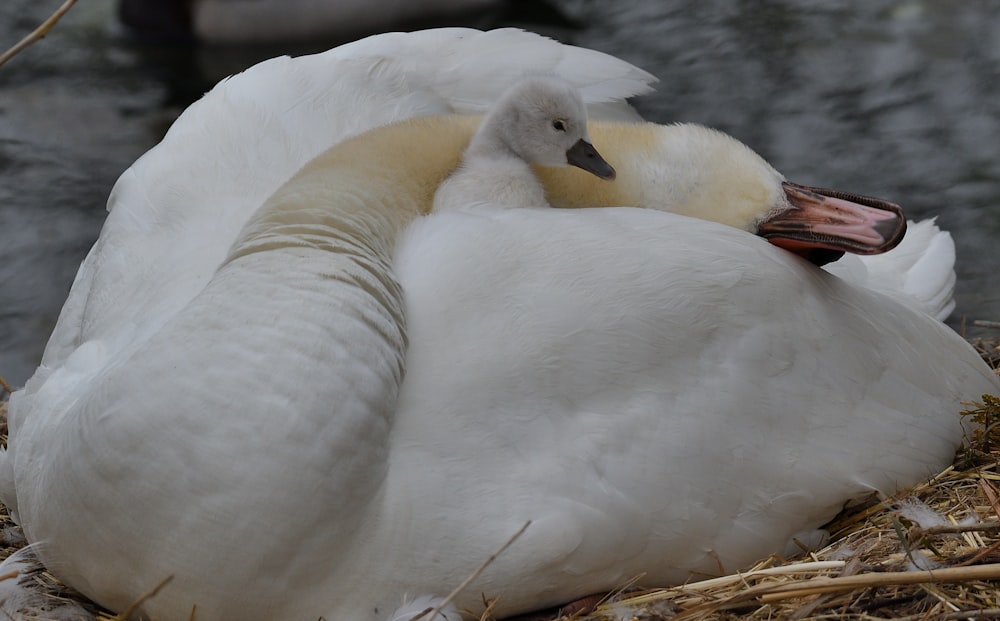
column 559, row 124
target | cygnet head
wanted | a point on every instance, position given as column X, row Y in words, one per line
column 542, row 120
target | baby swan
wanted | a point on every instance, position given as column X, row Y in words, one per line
column 536, row 121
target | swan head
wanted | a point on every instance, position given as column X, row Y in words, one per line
column 703, row 173
column 716, row 177
column 542, row 120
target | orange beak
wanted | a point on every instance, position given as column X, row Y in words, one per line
column 822, row 224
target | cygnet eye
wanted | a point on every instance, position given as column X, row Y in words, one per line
column 559, row 124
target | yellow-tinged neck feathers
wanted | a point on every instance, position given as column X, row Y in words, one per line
column 367, row 189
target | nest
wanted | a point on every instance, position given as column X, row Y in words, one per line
column 989, row 349
column 931, row 553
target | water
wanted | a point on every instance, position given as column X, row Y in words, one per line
column 900, row 99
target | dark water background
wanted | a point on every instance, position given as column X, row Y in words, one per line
column 899, row 99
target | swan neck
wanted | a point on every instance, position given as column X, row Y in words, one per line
column 357, row 197
column 494, row 143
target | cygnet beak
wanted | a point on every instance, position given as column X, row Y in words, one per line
column 584, row 155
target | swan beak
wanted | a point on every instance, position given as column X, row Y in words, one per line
column 823, row 224
column 584, row 155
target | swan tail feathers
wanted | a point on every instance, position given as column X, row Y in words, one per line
column 920, row 271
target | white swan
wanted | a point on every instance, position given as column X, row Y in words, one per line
column 236, row 415
column 540, row 120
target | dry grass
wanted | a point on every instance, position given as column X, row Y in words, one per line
column 932, row 553
column 989, row 349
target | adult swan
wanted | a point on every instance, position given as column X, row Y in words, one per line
column 330, row 402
